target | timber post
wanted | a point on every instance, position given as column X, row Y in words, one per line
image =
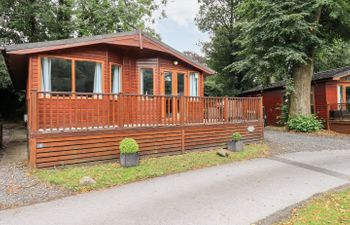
column 327, row 117
column 34, row 112
column 226, row 108
column 182, row 123
column 120, row 110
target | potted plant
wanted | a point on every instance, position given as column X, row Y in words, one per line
column 129, row 155
column 236, row 144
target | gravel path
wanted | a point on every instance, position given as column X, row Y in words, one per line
column 18, row 188
column 284, row 142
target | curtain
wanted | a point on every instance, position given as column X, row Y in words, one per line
column 98, row 78
column 141, row 83
column 193, row 84
column 46, row 74
column 116, row 80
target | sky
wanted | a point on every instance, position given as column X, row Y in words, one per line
column 179, row 30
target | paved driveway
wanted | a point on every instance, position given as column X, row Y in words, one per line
column 238, row 193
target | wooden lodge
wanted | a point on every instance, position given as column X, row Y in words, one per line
column 330, row 99
column 84, row 95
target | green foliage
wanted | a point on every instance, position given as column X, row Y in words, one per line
column 212, row 87
column 41, row 20
column 128, row 146
column 218, row 17
column 5, row 81
column 305, row 123
column 105, row 16
column 236, row 137
column 333, row 55
column 111, row 174
column 284, row 114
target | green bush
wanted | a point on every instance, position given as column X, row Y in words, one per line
column 305, row 124
column 128, row 146
column 236, row 137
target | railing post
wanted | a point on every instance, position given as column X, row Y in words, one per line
column 34, row 112
column 226, row 108
column 182, row 110
column 120, row 110
column 261, row 110
column 328, row 116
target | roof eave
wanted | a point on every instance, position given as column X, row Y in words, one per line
column 340, row 75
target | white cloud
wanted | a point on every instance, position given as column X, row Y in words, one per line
column 179, row 29
column 182, row 12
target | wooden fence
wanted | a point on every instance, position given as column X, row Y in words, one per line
column 68, row 112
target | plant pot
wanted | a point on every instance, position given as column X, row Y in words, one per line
column 235, row 146
column 129, row 160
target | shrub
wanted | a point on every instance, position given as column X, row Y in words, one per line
column 128, row 146
column 236, row 137
column 305, row 124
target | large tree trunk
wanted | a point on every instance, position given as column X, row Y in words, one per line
column 300, row 97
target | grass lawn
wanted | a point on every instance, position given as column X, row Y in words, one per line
column 330, row 209
column 112, row 174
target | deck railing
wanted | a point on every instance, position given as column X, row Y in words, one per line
column 339, row 111
column 63, row 111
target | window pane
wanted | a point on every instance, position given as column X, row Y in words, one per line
column 61, row 74
column 88, row 77
column 147, row 81
column 116, row 79
column 180, row 84
column 168, row 83
column 347, row 93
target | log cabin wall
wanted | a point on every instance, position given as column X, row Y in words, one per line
column 131, row 61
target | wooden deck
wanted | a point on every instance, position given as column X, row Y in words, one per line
column 78, row 128
column 338, row 118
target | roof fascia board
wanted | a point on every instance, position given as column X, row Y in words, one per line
column 174, row 52
column 341, row 75
column 65, row 46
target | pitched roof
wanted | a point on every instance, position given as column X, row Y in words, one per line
column 81, row 41
column 44, row 44
column 333, row 73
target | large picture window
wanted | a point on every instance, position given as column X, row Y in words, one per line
column 146, row 85
column 194, row 84
column 88, row 77
column 116, row 79
column 56, row 74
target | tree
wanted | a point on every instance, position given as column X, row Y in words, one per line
column 334, row 55
column 212, row 87
column 218, row 17
column 281, row 38
column 196, row 57
column 108, row 16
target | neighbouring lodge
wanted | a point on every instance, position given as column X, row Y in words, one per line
column 84, row 95
column 330, row 99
